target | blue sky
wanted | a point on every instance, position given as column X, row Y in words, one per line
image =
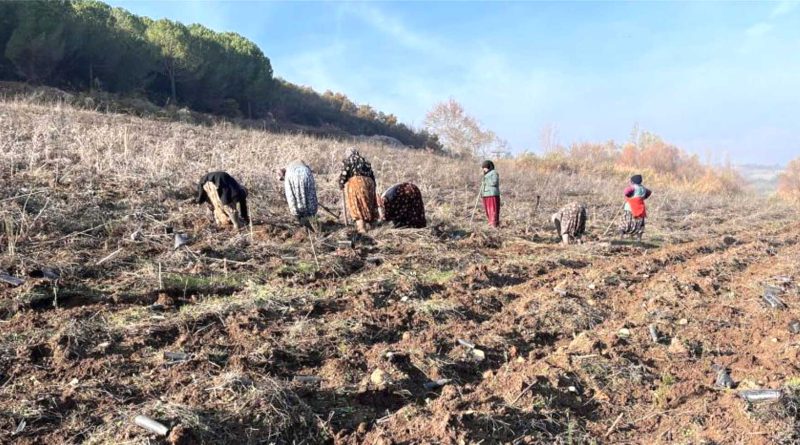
column 718, row 79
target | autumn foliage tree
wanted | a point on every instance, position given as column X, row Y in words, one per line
column 789, row 181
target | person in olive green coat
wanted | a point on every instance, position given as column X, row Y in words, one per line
column 490, row 191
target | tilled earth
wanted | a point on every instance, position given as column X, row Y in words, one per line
column 443, row 335
column 455, row 334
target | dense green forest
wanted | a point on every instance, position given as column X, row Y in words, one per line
column 89, row 46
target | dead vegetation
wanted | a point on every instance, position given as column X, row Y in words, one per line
column 255, row 337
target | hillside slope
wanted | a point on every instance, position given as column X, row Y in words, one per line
column 268, row 335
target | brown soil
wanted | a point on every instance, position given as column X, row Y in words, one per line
column 365, row 348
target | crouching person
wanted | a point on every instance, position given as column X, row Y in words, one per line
column 570, row 223
column 301, row 193
column 402, row 206
column 224, row 194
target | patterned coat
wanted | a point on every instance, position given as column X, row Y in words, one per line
column 403, row 206
column 355, row 165
column 571, row 220
column 300, row 190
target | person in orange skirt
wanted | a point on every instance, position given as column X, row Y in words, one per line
column 358, row 183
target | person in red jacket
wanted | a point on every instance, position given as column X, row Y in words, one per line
column 635, row 213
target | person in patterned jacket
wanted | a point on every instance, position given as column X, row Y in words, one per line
column 402, row 205
column 570, row 222
column 300, row 190
column 358, row 183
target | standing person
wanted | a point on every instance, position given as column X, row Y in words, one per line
column 635, row 214
column 223, row 194
column 402, row 205
column 490, row 191
column 358, row 183
column 570, row 222
column 300, row 190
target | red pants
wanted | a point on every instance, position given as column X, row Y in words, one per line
column 492, row 206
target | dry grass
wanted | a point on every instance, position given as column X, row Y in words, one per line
column 252, row 310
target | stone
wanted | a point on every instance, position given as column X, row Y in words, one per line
column 378, row 377
column 676, row 347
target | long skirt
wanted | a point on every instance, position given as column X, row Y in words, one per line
column 571, row 220
column 362, row 204
column 492, row 206
column 403, row 206
column 301, row 191
column 630, row 225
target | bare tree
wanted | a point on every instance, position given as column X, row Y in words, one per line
column 459, row 132
column 548, row 138
column 789, row 181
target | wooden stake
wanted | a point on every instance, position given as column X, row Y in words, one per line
column 313, row 250
column 345, row 217
column 613, row 220
column 477, row 200
column 109, row 256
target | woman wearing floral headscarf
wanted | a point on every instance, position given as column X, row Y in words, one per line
column 358, row 183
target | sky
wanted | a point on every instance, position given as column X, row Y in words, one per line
column 718, row 79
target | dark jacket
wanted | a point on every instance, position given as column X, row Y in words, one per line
column 230, row 192
column 355, row 165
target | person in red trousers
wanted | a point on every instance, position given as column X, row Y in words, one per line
column 490, row 191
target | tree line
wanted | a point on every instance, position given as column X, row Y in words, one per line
column 86, row 45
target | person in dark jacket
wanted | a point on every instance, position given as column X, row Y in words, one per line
column 223, row 194
column 402, row 205
column 490, row 192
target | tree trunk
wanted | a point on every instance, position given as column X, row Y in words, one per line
column 172, row 84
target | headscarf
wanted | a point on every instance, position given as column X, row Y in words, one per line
column 636, row 179
column 350, row 151
column 488, row 164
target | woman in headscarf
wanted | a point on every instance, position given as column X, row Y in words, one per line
column 570, row 222
column 490, row 192
column 635, row 212
column 223, row 193
column 402, row 205
column 300, row 190
column 358, row 183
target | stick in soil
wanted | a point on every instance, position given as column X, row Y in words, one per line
column 477, row 200
column 613, row 220
column 613, row 425
column 109, row 256
column 313, row 250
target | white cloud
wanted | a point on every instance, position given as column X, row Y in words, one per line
column 759, row 29
column 783, row 8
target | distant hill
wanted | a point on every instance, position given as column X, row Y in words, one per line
column 88, row 46
column 762, row 178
